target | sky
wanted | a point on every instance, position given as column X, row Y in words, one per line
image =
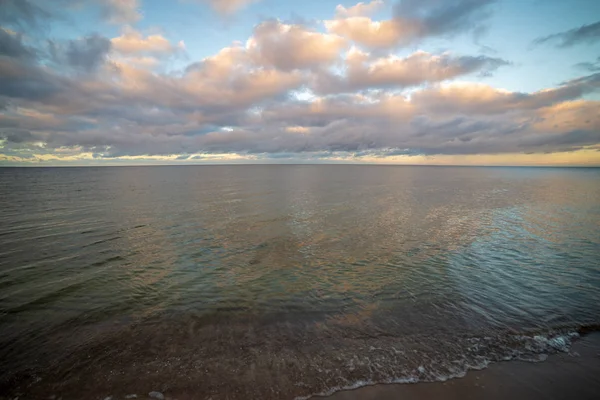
column 437, row 82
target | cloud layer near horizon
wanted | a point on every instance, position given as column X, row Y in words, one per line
column 288, row 92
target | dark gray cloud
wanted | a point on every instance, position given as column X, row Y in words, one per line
column 24, row 14
column 87, row 53
column 15, row 135
column 26, row 73
column 11, row 45
column 585, row 34
column 23, row 81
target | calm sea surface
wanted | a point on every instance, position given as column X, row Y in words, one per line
column 287, row 281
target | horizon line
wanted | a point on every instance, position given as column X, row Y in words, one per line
column 297, row 164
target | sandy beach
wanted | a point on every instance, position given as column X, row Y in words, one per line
column 562, row 376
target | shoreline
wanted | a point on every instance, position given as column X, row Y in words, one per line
column 564, row 375
column 573, row 375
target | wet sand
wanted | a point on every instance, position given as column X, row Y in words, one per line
column 562, row 376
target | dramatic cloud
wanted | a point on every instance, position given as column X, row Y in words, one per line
column 585, row 34
column 230, row 102
column 339, row 91
column 454, row 119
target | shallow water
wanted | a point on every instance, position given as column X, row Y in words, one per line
column 290, row 280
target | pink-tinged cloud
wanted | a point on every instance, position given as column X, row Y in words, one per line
column 372, row 34
column 132, row 42
column 412, row 20
column 288, row 47
column 359, row 10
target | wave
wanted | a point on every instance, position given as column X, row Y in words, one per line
column 521, row 347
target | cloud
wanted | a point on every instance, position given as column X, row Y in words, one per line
column 369, row 33
column 289, row 47
column 24, row 79
column 23, row 14
column 228, row 6
column 123, row 91
column 578, row 118
column 231, row 78
column 394, row 72
column 589, row 66
column 16, row 135
column 135, row 112
column 413, row 20
column 427, row 135
column 11, row 45
column 474, row 99
column 435, row 17
column 358, row 10
column 132, row 42
column 585, row 34
column 38, row 15
column 87, row 53
column 289, row 92
column 121, row 11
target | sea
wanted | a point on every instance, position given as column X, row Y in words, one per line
column 287, row 281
